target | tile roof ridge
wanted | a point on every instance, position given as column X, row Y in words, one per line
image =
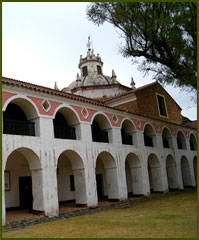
column 50, row 90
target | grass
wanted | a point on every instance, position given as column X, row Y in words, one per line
column 169, row 217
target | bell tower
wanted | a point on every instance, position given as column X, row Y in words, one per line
column 92, row 64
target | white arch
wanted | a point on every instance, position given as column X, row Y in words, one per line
column 66, row 106
column 30, row 155
column 36, row 174
column 74, row 158
column 148, row 123
column 104, row 115
column 78, row 171
column 110, row 175
column 127, row 119
column 15, row 99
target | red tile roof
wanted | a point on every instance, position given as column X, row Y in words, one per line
column 59, row 93
column 38, row 88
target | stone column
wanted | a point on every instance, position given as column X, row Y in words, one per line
column 3, row 200
column 80, row 187
column 91, row 187
column 112, row 183
column 136, row 180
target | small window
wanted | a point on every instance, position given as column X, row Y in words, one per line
column 72, row 183
column 99, row 69
column 85, row 71
column 162, row 106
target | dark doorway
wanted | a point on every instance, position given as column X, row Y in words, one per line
column 25, row 192
column 99, row 182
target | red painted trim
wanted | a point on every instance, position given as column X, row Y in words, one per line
column 38, row 103
column 158, row 127
column 186, row 134
column 173, row 131
column 113, row 123
column 79, row 110
column 6, row 96
column 139, row 124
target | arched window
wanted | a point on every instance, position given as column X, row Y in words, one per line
column 128, row 133
column 98, row 135
column 15, row 121
column 192, row 142
column 62, row 129
column 149, row 136
column 166, row 138
column 181, row 141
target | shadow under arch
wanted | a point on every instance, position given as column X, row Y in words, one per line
column 66, row 123
column 167, row 138
column 181, row 143
column 149, row 136
column 71, row 178
column 134, row 174
column 192, row 142
column 128, row 132
column 26, row 180
column 20, row 116
column 101, row 129
column 106, row 177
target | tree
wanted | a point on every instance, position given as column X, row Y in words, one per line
column 164, row 34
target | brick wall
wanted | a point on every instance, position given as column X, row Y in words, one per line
column 147, row 105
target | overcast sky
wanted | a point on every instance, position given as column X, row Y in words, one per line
column 43, row 41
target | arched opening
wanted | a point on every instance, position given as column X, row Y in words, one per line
column 155, row 176
column 133, row 175
column 66, row 124
column 19, row 118
column 186, row 174
column 195, row 168
column 149, row 136
column 23, row 182
column 101, row 129
column 71, row 179
column 128, row 133
column 171, row 173
column 166, row 139
column 106, row 177
column 181, row 143
column 192, row 142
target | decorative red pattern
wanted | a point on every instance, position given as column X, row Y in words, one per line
column 139, row 124
column 186, row 133
column 114, row 124
column 158, row 128
column 6, row 96
column 38, row 103
column 78, row 110
column 173, row 131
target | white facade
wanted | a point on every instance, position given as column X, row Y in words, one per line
column 53, row 163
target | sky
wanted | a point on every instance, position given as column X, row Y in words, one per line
column 42, row 43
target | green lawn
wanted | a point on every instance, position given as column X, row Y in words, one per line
column 169, row 217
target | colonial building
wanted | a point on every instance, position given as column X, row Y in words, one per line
column 95, row 138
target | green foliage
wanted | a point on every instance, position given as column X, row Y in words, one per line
column 164, row 34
